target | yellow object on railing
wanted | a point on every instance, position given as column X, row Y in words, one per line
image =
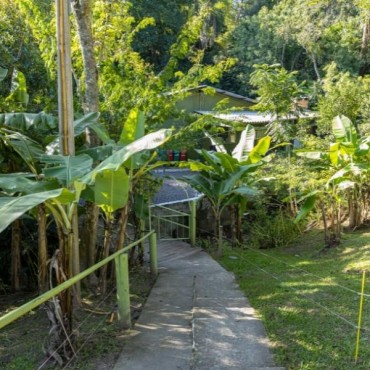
column 123, row 296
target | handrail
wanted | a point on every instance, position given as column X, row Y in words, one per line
column 29, row 306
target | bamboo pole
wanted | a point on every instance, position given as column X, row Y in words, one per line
column 193, row 222
column 360, row 315
column 153, row 254
column 123, row 290
column 66, row 126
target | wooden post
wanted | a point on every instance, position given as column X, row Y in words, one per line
column 65, row 91
column 65, row 115
column 193, row 222
column 153, row 254
column 123, row 290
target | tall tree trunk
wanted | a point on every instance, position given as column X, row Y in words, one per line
column 42, row 246
column 82, row 10
column 83, row 14
column 16, row 256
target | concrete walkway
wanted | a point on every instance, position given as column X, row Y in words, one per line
column 195, row 318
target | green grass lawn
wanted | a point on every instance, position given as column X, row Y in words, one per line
column 307, row 299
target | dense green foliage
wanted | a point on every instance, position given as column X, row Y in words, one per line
column 146, row 55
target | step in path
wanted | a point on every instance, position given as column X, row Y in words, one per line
column 195, row 318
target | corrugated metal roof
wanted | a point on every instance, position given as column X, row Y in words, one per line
column 255, row 117
column 223, row 92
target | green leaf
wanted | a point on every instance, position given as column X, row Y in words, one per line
column 30, row 151
column 11, row 208
column 309, row 155
column 307, row 207
column 133, row 128
column 334, row 154
column 216, row 142
column 260, row 150
column 141, row 206
column 19, row 88
column 66, row 168
column 111, row 189
column 22, row 183
column 245, row 145
column 116, row 160
column 212, row 159
column 246, row 191
column 344, row 130
column 25, row 121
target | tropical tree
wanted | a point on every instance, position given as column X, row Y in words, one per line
column 346, row 167
column 278, row 90
column 226, row 179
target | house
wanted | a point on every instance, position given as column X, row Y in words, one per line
column 226, row 106
column 206, row 98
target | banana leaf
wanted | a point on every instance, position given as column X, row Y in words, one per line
column 11, row 208
column 344, row 130
column 116, row 160
column 245, row 145
column 111, row 189
column 66, row 169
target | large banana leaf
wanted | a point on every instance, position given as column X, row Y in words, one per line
column 231, row 182
column 66, row 168
column 89, row 120
column 308, row 205
column 216, row 142
column 133, row 128
column 228, row 163
column 245, row 145
column 21, row 183
column 344, row 130
column 202, row 184
column 24, row 121
column 116, row 160
column 11, row 208
column 259, row 150
column 30, row 151
column 98, row 153
column 212, row 160
column 111, row 189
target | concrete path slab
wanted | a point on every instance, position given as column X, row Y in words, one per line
column 195, row 318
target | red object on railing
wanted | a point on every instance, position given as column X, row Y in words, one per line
column 183, row 155
column 170, row 155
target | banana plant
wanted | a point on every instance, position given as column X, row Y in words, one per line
column 346, row 162
column 227, row 179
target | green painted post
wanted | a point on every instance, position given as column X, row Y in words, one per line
column 123, row 290
column 193, row 221
column 153, row 254
column 150, row 218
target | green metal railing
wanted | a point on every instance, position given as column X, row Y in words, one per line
column 122, row 280
column 172, row 224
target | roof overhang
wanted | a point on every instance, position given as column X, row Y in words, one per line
column 258, row 118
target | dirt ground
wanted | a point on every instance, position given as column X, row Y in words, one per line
column 99, row 338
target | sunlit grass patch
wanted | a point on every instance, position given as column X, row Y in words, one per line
column 309, row 300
